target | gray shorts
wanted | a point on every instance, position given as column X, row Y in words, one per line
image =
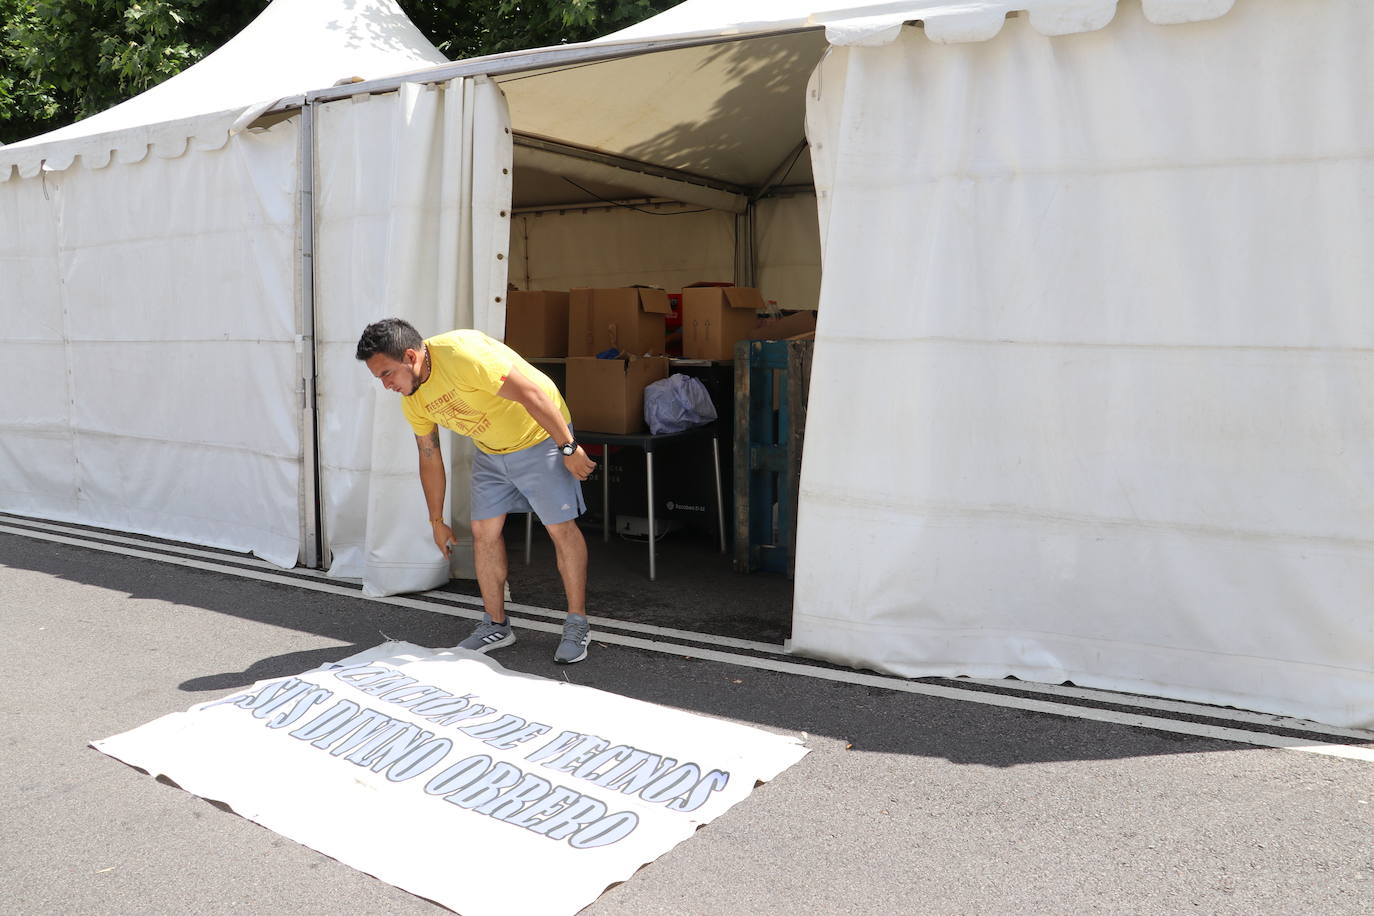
column 532, row 479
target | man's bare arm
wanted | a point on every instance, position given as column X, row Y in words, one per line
column 428, row 445
column 434, row 481
column 534, row 399
column 541, row 407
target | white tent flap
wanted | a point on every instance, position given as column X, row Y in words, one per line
column 868, row 31
column 1067, row 17
column 401, row 233
column 1115, row 360
column 1173, row 12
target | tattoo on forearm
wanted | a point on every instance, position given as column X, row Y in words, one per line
column 429, row 445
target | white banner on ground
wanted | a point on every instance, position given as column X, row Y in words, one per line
column 439, row 771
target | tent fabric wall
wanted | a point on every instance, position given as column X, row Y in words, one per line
column 788, row 251
column 38, row 470
column 401, row 232
column 1116, row 359
column 155, row 301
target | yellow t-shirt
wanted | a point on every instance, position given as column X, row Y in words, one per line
column 466, row 369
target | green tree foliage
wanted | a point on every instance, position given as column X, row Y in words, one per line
column 471, row 28
column 62, row 60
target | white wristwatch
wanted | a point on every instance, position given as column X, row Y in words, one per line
column 569, row 449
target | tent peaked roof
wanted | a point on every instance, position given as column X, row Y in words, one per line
column 292, row 47
column 878, row 22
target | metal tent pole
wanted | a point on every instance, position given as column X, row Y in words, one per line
column 305, row 340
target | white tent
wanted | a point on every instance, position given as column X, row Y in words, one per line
column 158, row 313
column 1090, row 389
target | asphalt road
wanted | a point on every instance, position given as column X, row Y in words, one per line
column 907, row 804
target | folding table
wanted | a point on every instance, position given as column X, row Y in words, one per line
column 651, row 443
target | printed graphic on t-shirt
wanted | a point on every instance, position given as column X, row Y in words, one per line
column 451, row 411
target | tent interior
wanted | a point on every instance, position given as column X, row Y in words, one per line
column 715, row 129
column 666, row 169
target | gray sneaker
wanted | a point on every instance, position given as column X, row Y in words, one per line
column 489, row 635
column 577, row 633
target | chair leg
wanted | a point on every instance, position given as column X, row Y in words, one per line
column 720, row 498
column 606, row 493
column 649, row 473
column 529, row 535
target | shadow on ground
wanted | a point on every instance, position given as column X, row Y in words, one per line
column 869, row 719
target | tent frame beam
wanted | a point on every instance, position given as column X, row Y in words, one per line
column 660, row 202
column 784, row 167
column 629, row 165
column 647, row 180
column 513, row 62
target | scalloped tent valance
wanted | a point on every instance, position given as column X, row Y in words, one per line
column 879, row 23
column 293, row 47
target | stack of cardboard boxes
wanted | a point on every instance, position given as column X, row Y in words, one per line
column 607, row 394
column 537, row 323
column 714, row 317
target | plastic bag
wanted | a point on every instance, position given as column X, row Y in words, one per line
column 676, row 403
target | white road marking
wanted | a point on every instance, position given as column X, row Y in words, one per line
column 472, row 600
column 1062, row 708
column 1188, row 709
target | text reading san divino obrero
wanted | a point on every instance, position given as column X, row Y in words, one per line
column 402, row 750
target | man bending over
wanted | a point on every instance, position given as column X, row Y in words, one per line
column 527, row 458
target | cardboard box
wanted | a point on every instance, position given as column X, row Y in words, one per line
column 785, row 327
column 607, row 395
column 630, row 319
column 714, row 317
column 537, row 323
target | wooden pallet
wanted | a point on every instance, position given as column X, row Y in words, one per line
column 772, row 378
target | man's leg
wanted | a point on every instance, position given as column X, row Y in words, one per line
column 489, row 556
column 571, row 549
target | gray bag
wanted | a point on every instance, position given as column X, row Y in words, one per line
column 676, row 403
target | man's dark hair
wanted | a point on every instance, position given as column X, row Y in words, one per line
column 390, row 336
